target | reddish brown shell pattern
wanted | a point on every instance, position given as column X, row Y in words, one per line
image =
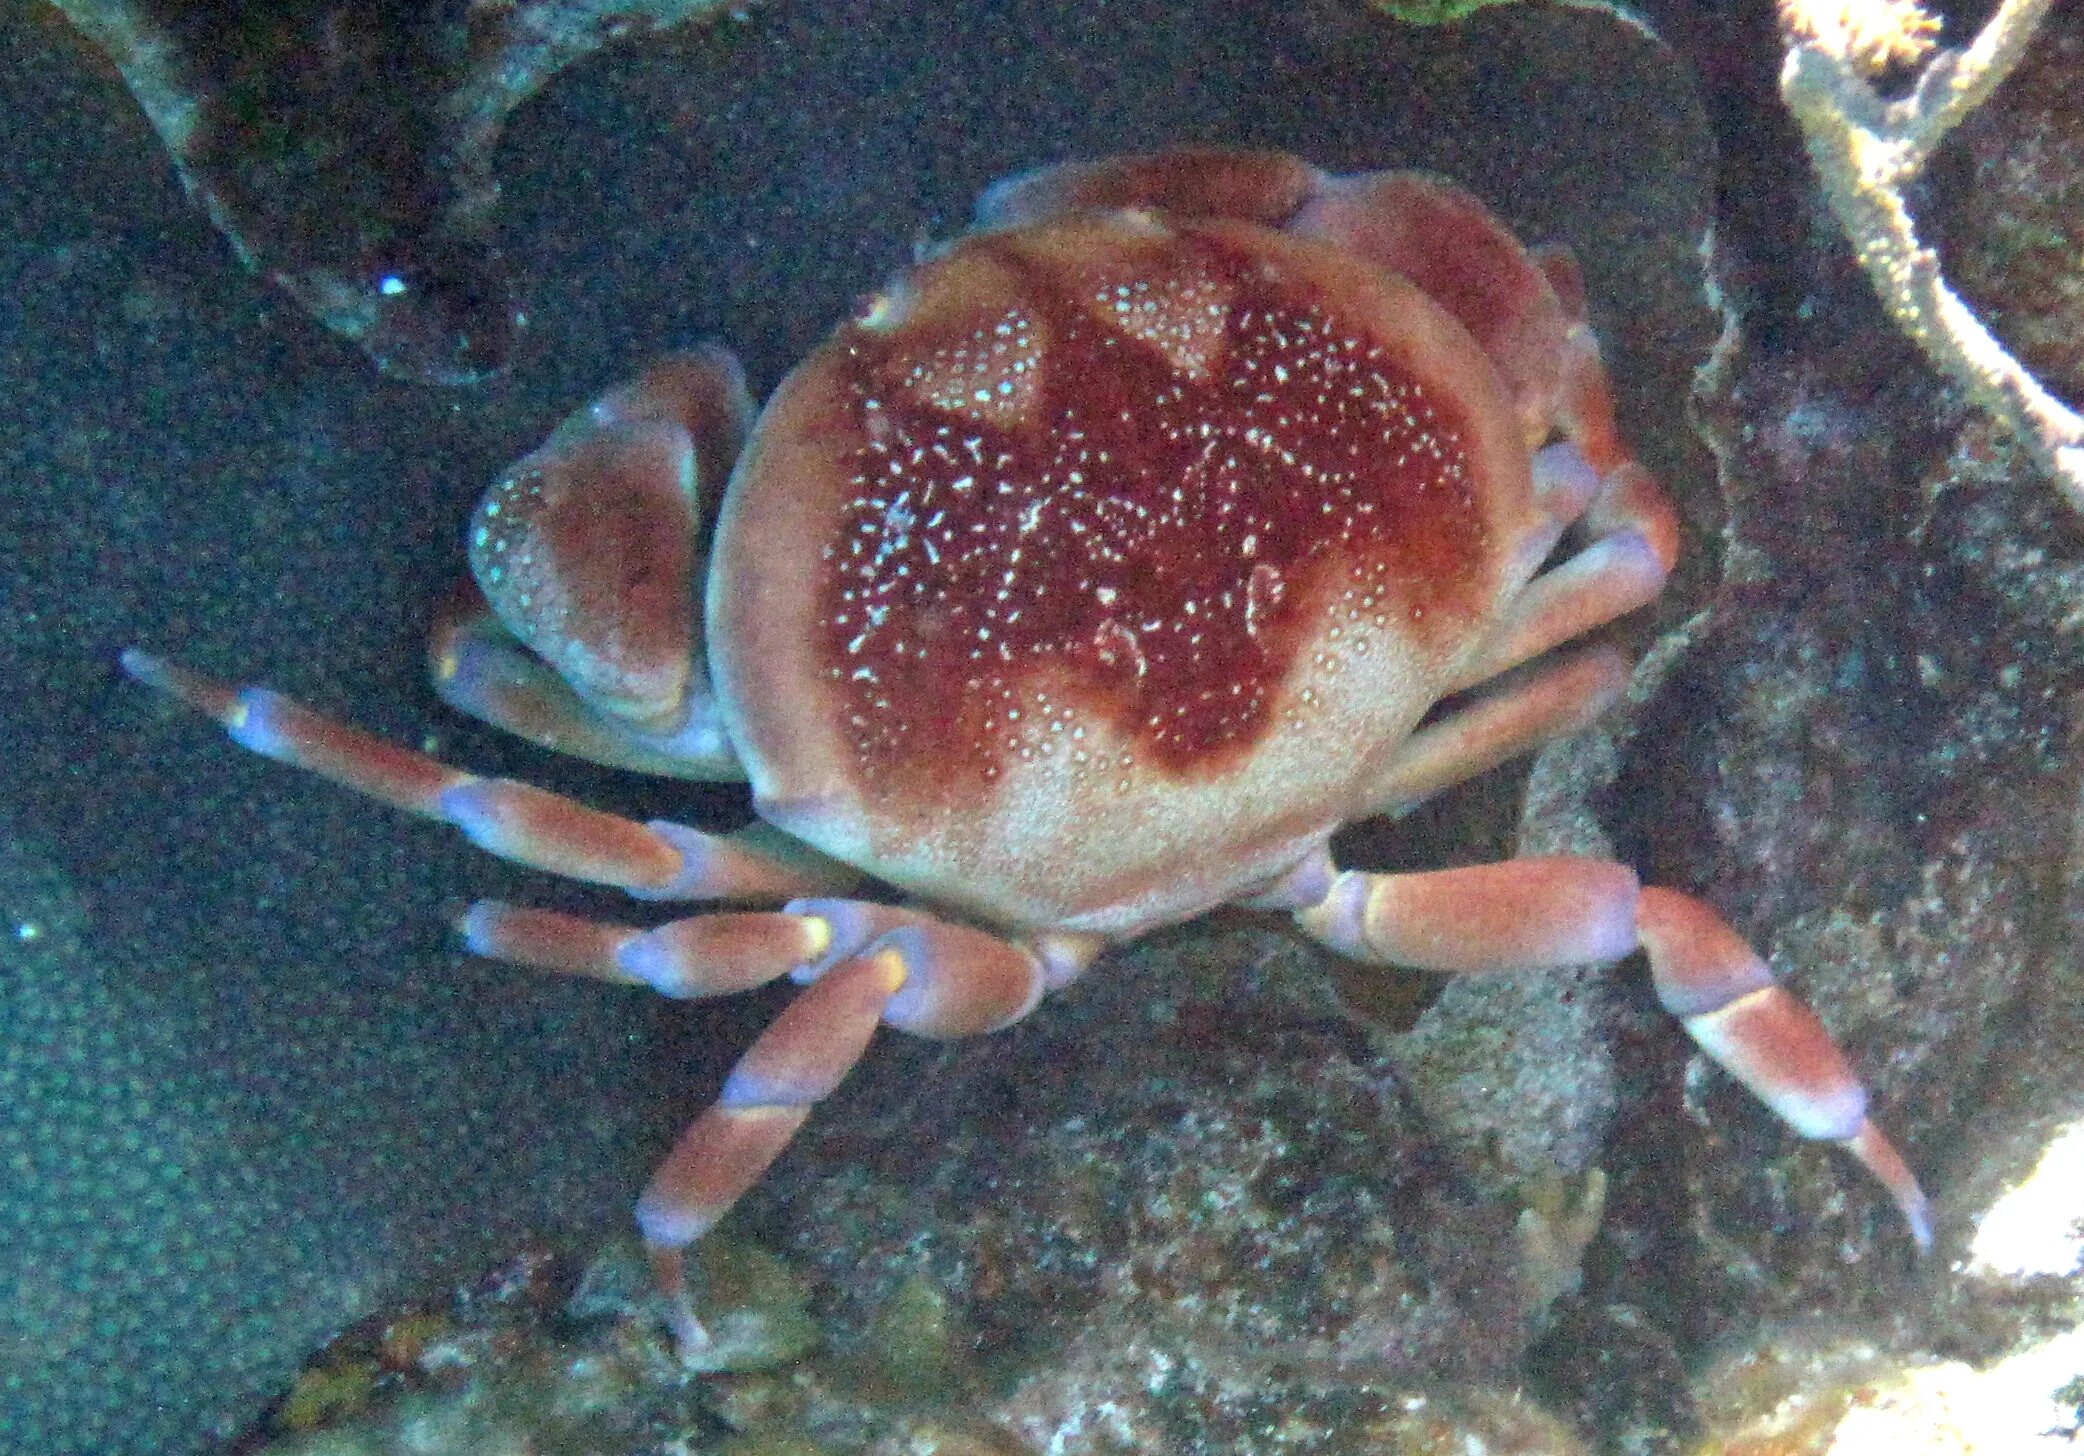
column 1172, row 526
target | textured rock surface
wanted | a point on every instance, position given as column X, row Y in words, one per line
column 345, row 150
column 1191, row 1210
column 1867, row 754
column 2011, row 233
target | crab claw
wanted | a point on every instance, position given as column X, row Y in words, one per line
column 586, row 549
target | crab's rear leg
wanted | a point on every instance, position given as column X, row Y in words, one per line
column 866, row 963
column 1526, row 309
column 1536, row 913
column 516, row 821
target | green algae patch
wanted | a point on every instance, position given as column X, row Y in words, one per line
column 917, row 1341
column 755, row 1309
column 1434, row 12
column 322, row 1397
column 763, row 1444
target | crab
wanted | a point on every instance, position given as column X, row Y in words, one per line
column 1109, row 559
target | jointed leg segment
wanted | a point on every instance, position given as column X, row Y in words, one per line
column 516, row 821
column 1544, row 912
column 861, row 963
column 875, row 965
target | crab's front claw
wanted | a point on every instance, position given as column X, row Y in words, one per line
column 587, row 549
column 478, row 668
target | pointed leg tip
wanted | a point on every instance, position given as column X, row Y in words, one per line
column 1916, row 1209
column 157, row 673
column 205, row 695
column 1879, row 1157
column 691, row 1338
column 1565, row 484
column 148, row 668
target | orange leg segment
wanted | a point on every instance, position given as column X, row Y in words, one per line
column 923, row 975
column 1557, row 911
column 1546, row 702
column 516, row 821
column 794, row 1064
column 702, row 956
column 1633, row 542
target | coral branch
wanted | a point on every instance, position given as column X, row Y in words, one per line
column 1868, row 151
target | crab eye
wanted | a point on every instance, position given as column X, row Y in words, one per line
column 439, row 313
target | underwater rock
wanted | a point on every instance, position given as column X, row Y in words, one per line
column 2012, row 215
column 1154, row 1211
column 1819, row 1391
column 1865, row 750
column 1868, row 758
column 93, row 1123
column 345, row 149
column 464, row 1376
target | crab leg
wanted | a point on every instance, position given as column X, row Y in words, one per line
column 925, row 976
column 1585, row 400
column 794, row 1064
column 1634, row 543
column 698, row 957
column 516, row 821
column 863, row 964
column 1265, row 187
column 1544, row 912
column 1629, row 495
column 721, row 953
column 1551, row 702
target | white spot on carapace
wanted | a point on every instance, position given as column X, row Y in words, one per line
column 992, row 376
column 1116, row 647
